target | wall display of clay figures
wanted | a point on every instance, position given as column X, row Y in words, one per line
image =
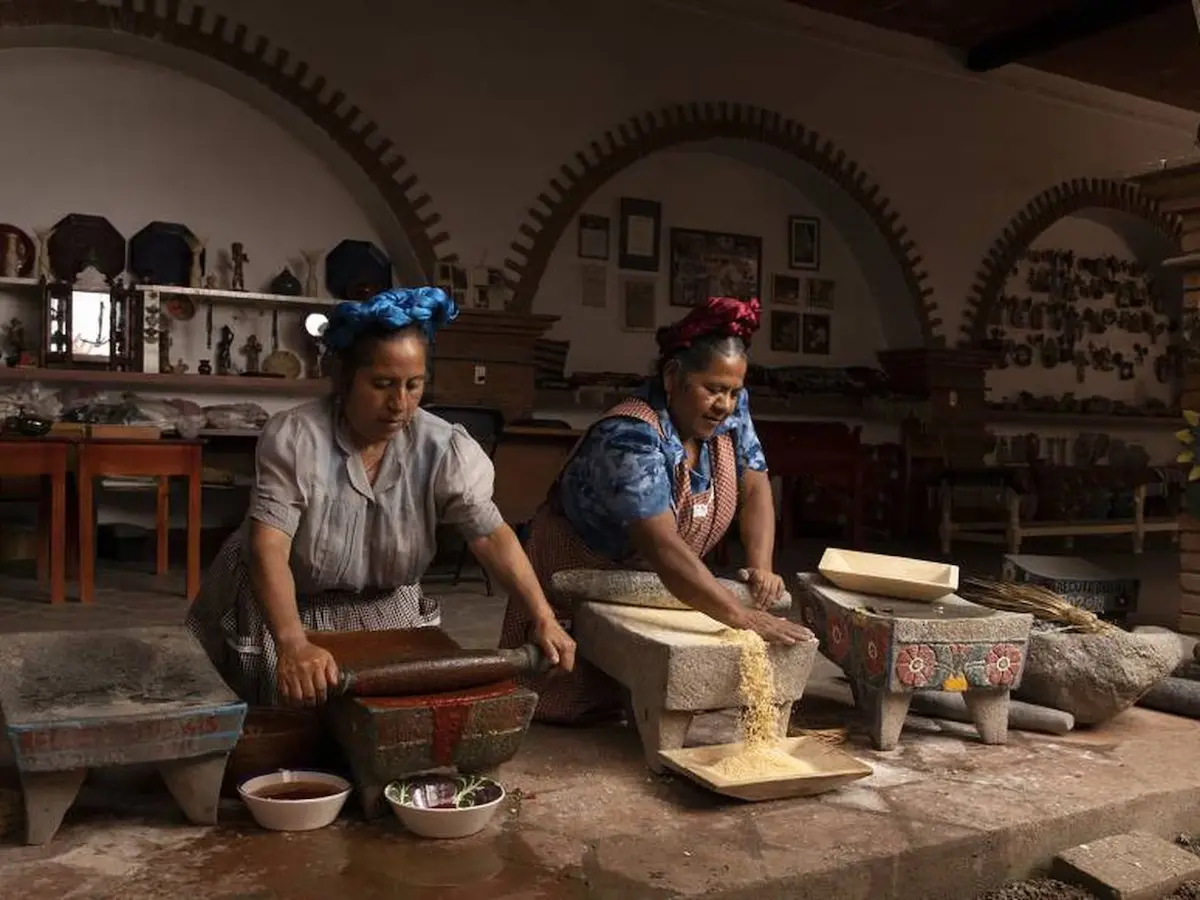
column 1096, row 315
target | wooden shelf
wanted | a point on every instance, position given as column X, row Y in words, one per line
column 239, row 297
column 1083, row 420
column 150, row 381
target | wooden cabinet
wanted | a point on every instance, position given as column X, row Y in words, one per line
column 487, row 359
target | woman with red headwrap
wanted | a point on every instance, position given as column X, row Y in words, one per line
column 655, row 484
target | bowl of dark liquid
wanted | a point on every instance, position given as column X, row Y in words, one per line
column 295, row 800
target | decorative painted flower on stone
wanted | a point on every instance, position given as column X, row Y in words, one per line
column 1190, row 438
column 839, row 638
column 1003, row 664
column 915, row 665
column 875, row 643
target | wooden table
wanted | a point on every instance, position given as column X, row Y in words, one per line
column 160, row 459
column 28, row 457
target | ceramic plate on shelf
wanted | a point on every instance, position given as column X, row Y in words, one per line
column 26, row 254
column 821, row 767
column 80, row 241
column 889, row 576
column 357, row 270
column 161, row 253
column 181, row 308
column 283, row 363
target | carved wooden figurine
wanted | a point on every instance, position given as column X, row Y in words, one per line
column 225, row 352
column 252, row 350
column 238, row 260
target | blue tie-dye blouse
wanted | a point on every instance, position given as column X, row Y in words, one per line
column 624, row 471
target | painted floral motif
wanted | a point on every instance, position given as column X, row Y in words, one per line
column 874, row 650
column 1003, row 664
column 838, row 636
column 916, row 665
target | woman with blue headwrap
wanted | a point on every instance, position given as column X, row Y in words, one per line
column 348, row 493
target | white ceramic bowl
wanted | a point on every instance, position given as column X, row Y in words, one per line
column 444, row 806
column 305, row 813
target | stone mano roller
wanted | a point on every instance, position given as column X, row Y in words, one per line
column 645, row 589
column 454, row 670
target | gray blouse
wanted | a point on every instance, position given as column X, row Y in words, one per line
column 350, row 535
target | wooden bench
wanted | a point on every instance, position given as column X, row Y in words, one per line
column 1012, row 531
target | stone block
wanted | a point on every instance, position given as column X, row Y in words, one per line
column 890, row 649
column 1189, row 582
column 1189, row 561
column 387, row 738
column 1189, row 602
column 676, row 664
column 73, row 701
column 1189, row 541
column 1095, row 677
column 1127, row 867
column 677, row 659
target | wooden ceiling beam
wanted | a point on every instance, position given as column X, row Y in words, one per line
column 1081, row 19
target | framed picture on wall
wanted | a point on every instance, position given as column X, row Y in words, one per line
column 593, row 237
column 804, row 243
column 820, row 293
column 785, row 290
column 713, row 264
column 785, row 331
column 639, row 299
column 640, row 235
column 816, row 338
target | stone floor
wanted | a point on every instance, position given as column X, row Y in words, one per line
column 942, row 818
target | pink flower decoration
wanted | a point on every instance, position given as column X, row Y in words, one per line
column 1003, row 664
column 915, row 665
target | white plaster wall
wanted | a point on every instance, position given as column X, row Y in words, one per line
column 487, row 100
column 710, row 193
column 95, row 133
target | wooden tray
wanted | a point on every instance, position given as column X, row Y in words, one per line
column 889, row 576
column 831, row 768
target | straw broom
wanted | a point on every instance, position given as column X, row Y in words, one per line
column 1042, row 602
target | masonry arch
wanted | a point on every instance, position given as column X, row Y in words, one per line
column 212, row 49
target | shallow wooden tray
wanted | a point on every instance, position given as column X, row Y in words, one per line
column 889, row 576
column 832, row 768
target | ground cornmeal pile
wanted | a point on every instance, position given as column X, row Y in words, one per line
column 760, row 756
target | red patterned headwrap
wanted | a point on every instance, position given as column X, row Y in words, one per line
column 719, row 316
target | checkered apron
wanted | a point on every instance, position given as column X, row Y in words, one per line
column 553, row 546
column 227, row 621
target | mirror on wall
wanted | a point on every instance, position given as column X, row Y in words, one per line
column 91, row 325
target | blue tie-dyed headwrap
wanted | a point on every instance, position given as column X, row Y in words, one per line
column 427, row 308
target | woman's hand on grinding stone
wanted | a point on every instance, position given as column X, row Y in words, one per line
column 305, row 673
column 553, row 640
column 765, row 587
column 775, row 630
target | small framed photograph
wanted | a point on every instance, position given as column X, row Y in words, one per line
column 820, row 293
column 785, row 331
column 804, row 243
column 816, row 337
column 593, row 237
column 593, row 285
column 640, row 235
column 785, row 290
column 639, row 302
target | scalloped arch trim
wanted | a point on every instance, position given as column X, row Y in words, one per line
column 214, row 36
column 592, row 166
column 1065, row 199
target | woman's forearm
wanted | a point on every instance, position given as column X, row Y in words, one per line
column 686, row 576
column 756, row 522
column 501, row 554
column 274, row 586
